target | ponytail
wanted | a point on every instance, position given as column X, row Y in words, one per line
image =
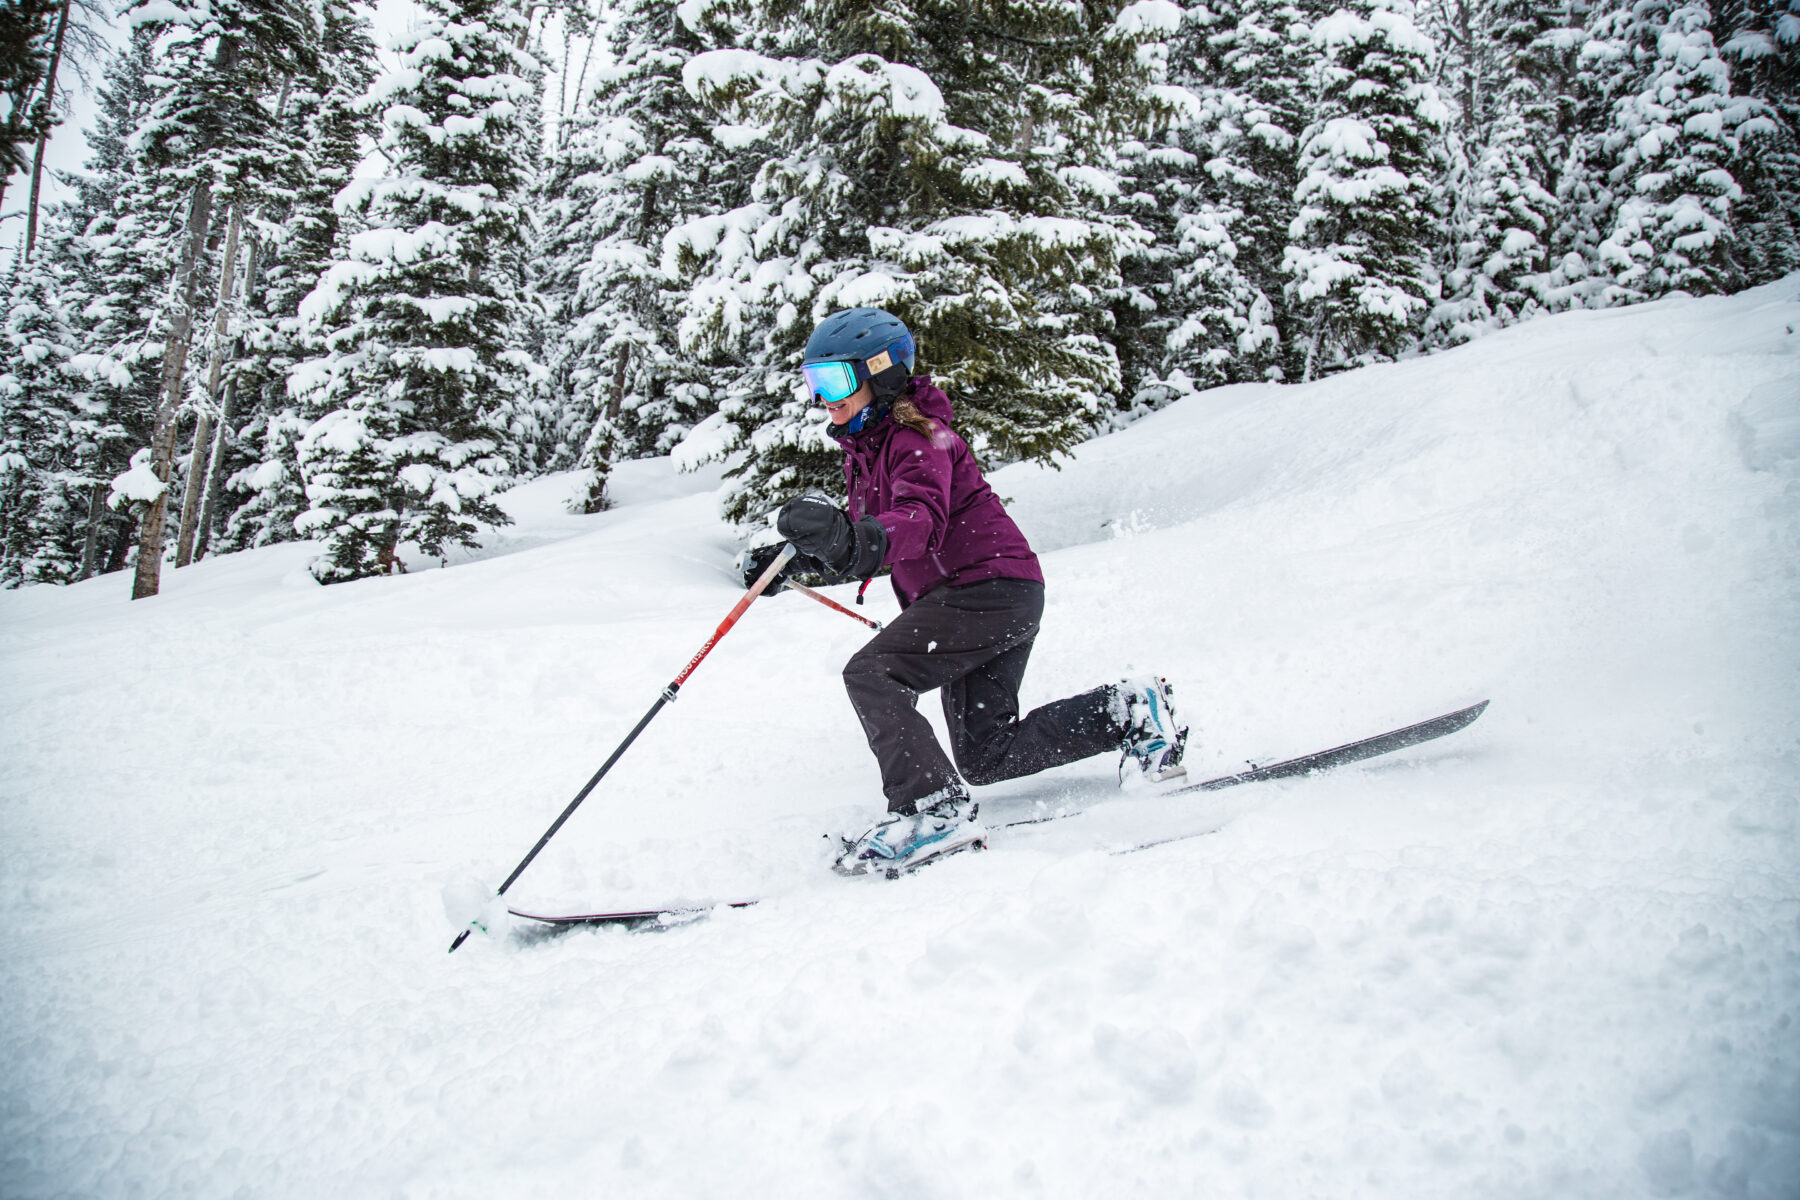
column 907, row 413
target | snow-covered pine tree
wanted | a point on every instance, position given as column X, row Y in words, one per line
column 1152, row 172
column 559, row 239
column 1020, row 269
column 1670, row 144
column 297, row 238
column 1149, row 167
column 1584, row 198
column 1506, row 74
column 81, row 38
column 1369, row 159
column 43, row 492
column 1250, row 65
column 73, row 448
column 210, row 133
column 1762, row 43
column 638, row 162
column 422, row 319
column 122, row 227
column 937, row 160
column 26, row 33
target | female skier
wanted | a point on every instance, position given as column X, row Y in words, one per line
column 971, row 595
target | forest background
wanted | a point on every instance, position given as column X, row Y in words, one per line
column 306, row 287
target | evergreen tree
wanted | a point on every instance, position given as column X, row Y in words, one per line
column 639, row 162
column 1583, row 201
column 212, row 133
column 421, row 319
column 42, row 492
column 936, row 160
column 1250, row 65
column 1670, row 144
column 1147, row 177
column 117, row 237
column 1504, row 207
column 1359, row 248
column 1762, row 43
column 26, row 32
column 560, row 195
column 298, row 237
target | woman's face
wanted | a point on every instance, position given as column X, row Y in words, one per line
column 850, row 405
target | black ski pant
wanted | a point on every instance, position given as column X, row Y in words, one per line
column 972, row 642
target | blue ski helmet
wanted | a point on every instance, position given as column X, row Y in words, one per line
column 859, row 334
column 854, row 345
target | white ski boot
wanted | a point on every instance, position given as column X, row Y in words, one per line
column 897, row 845
column 1152, row 736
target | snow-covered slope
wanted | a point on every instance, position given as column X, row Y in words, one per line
column 1557, row 955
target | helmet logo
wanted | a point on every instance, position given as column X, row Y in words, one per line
column 880, row 363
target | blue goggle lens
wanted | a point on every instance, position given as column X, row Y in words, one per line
column 830, row 382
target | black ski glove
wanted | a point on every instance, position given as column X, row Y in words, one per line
column 821, row 529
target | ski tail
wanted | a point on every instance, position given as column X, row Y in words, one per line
column 1338, row 756
column 632, row 917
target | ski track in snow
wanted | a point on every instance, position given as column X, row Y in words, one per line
column 1555, row 955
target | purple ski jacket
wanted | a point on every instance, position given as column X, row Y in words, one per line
column 944, row 524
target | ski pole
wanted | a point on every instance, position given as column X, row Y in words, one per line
column 668, row 695
column 828, row 602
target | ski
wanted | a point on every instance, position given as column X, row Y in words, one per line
column 1340, row 756
column 1309, row 764
column 645, row 916
column 1306, row 764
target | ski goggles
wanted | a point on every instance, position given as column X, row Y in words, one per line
column 829, row 382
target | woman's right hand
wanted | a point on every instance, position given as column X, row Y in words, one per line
column 819, row 528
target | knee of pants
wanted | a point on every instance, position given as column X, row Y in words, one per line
column 979, row 773
column 980, row 765
column 864, row 674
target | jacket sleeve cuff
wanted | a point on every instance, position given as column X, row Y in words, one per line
column 871, row 548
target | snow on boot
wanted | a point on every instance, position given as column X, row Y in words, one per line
column 898, row 844
column 1152, row 736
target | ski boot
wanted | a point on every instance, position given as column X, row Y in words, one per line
column 900, row 843
column 1152, row 737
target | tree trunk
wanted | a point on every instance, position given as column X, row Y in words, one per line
column 1472, row 125
column 197, row 472
column 96, row 507
column 562, row 131
column 616, row 401
column 525, row 33
column 190, row 496
column 37, row 160
column 148, row 577
column 215, row 483
column 1318, row 337
column 120, row 547
column 31, row 202
column 387, row 555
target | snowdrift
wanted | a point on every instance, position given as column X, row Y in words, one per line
column 1556, row 955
